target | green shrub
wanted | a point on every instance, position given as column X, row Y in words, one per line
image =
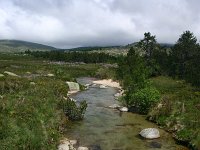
column 185, row 135
column 73, row 111
column 12, row 85
column 105, row 73
column 145, row 98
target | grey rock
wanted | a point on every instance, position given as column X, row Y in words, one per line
column 150, row 133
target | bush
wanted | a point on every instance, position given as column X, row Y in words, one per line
column 74, row 112
column 144, row 99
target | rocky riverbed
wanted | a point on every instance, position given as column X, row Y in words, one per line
column 104, row 128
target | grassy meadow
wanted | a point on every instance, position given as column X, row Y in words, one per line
column 31, row 105
column 178, row 110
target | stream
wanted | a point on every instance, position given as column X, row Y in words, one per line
column 104, row 128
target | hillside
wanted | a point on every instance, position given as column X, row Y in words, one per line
column 113, row 50
column 21, row 46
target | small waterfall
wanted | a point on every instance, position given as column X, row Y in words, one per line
column 73, row 86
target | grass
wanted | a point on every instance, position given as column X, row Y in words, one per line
column 178, row 110
column 31, row 106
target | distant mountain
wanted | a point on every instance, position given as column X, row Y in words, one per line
column 21, row 46
column 92, row 48
column 167, row 45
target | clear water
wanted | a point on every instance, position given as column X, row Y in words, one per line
column 107, row 129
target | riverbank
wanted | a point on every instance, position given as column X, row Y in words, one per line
column 178, row 111
column 108, row 82
column 179, row 103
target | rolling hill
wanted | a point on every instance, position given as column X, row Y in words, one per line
column 21, row 46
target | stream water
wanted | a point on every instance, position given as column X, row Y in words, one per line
column 108, row 129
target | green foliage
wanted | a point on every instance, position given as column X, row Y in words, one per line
column 148, row 44
column 29, row 118
column 145, row 99
column 106, row 73
column 134, row 75
column 32, row 115
column 74, row 112
column 179, row 109
column 192, row 73
column 185, row 54
column 185, row 135
column 86, row 57
column 161, row 61
column 12, row 85
column 132, row 71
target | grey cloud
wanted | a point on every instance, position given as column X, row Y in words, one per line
column 70, row 23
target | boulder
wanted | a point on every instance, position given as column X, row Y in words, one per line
column 150, row 133
column 28, row 72
column 1, row 75
column 50, row 75
column 10, row 74
column 65, row 144
column 124, row 109
column 73, row 86
column 32, row 83
column 63, row 147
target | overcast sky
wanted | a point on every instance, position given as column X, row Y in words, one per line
column 72, row 23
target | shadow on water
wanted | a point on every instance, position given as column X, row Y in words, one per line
column 108, row 129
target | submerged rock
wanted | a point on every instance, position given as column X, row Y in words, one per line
column 154, row 144
column 120, row 93
column 87, row 84
column 150, row 133
column 103, row 87
column 94, row 84
column 73, row 142
column 124, row 109
column 117, row 95
column 83, row 148
column 95, row 147
column 114, row 106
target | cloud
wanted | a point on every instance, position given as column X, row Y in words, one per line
column 69, row 23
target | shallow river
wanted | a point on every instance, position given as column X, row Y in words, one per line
column 107, row 129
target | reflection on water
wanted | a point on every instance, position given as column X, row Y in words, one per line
column 108, row 129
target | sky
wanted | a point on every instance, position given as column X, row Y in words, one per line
column 75, row 23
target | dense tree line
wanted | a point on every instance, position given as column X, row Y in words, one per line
column 147, row 58
column 85, row 57
column 179, row 61
column 182, row 61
